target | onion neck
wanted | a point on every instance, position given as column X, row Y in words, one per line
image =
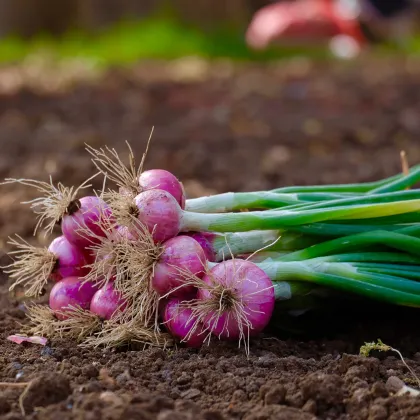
column 73, row 207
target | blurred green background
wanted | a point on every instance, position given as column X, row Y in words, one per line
column 109, row 32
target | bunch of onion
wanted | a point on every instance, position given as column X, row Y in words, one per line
column 131, row 258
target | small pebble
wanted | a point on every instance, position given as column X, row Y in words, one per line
column 19, row 375
column 394, row 384
column 47, row 351
column 183, row 379
column 16, row 365
column 191, row 394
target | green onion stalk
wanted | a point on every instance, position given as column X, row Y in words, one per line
column 337, row 230
column 353, row 257
column 365, row 199
column 267, row 200
column 365, row 187
column 272, row 243
column 395, row 240
column 241, row 222
column 230, row 201
column 218, row 246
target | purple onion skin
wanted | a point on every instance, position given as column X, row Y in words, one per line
column 164, row 301
column 160, row 213
column 71, row 291
column 252, row 287
column 180, row 252
column 71, row 260
column 106, row 302
column 163, row 180
column 94, row 215
column 90, row 256
column 205, row 241
column 179, row 322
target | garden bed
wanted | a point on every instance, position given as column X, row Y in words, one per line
column 218, row 128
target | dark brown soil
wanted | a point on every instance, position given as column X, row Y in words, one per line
column 218, row 128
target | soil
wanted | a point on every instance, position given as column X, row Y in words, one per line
column 218, row 127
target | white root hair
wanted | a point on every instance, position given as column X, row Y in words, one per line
column 31, row 267
column 116, row 334
column 109, row 163
column 78, row 324
column 56, row 201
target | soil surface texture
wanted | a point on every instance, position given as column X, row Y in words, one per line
column 219, row 128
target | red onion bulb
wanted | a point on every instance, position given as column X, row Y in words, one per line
column 71, row 260
column 163, row 180
column 245, row 295
column 181, row 256
column 182, row 325
column 107, row 301
column 71, row 291
column 87, row 222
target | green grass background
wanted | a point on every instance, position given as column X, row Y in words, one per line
column 154, row 38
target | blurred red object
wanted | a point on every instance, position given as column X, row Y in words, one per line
column 301, row 21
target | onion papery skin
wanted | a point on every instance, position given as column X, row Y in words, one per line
column 163, row 180
column 251, row 287
column 107, row 302
column 71, row 291
column 125, row 233
column 179, row 322
column 181, row 255
column 125, row 191
column 71, row 261
column 94, row 217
